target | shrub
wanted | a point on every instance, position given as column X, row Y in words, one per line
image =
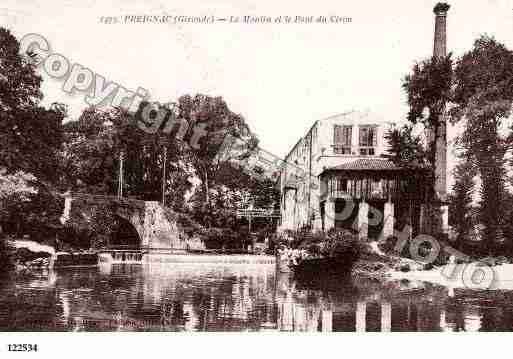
column 189, row 225
column 387, row 246
column 224, row 238
column 341, row 244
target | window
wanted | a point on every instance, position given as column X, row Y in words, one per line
column 368, row 140
column 367, row 151
column 342, row 139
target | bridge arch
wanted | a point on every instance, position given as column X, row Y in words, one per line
column 155, row 225
column 125, row 235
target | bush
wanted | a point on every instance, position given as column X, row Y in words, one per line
column 387, row 246
column 189, row 225
column 339, row 244
column 225, row 238
column 342, row 244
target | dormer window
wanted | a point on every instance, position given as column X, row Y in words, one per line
column 368, row 140
column 342, row 139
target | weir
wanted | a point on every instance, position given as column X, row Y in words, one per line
column 121, row 256
column 167, row 257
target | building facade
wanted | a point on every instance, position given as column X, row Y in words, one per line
column 338, row 176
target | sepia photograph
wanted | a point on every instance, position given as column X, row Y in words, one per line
column 240, row 166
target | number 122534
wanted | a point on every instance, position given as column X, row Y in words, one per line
column 22, row 347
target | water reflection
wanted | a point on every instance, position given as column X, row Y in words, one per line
column 209, row 297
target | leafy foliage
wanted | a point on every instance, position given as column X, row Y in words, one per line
column 90, row 226
column 38, row 151
column 27, row 206
column 428, row 87
column 15, row 188
column 20, row 85
column 483, row 95
column 30, row 135
column 333, row 243
column 460, row 216
column 405, row 148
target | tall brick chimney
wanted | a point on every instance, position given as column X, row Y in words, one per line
column 440, row 51
column 440, row 42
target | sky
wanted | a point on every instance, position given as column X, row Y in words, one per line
column 279, row 77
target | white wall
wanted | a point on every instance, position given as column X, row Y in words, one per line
column 323, row 156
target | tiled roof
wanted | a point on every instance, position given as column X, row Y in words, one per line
column 373, row 164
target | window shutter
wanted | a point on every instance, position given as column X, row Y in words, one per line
column 363, row 136
column 336, row 135
column 346, row 137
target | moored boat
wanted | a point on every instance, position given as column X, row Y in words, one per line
column 322, row 267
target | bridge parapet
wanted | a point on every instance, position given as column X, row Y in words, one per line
column 156, row 225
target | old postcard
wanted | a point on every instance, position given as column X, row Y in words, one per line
column 234, row 166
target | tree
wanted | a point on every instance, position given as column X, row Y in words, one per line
column 88, row 156
column 20, row 85
column 483, row 95
column 213, row 116
column 14, row 190
column 30, row 135
column 93, row 147
column 406, row 149
column 461, row 200
column 93, row 230
column 428, row 88
column 94, row 143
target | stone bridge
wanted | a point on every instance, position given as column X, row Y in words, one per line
column 156, row 226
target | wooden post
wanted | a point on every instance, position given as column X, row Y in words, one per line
column 164, row 178
column 329, row 214
column 327, row 320
column 386, row 317
column 388, row 220
column 363, row 220
column 120, row 176
column 249, row 230
column 361, row 312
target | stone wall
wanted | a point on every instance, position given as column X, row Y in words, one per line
column 156, row 226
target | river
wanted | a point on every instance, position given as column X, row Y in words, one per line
column 237, row 297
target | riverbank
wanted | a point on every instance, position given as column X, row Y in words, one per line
column 487, row 274
column 374, row 263
column 32, row 246
column 499, row 277
column 30, row 255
